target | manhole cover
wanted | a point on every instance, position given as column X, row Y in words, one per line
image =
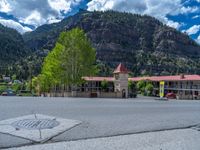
column 34, row 124
column 28, row 127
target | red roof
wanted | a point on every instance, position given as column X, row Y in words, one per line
column 168, row 78
column 110, row 79
column 153, row 78
column 121, row 69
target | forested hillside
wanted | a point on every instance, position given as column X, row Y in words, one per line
column 143, row 43
column 12, row 48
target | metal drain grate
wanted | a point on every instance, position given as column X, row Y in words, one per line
column 35, row 124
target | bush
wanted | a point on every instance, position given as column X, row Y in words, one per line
column 16, row 87
column 141, row 86
column 2, row 88
column 104, row 85
column 149, row 89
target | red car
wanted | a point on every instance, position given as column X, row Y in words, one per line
column 171, row 96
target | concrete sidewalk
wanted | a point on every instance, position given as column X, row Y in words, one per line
column 183, row 139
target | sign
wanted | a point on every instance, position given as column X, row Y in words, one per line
column 162, row 89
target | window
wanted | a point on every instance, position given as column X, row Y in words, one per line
column 116, row 76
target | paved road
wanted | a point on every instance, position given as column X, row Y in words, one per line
column 102, row 117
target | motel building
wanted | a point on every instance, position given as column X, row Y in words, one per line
column 183, row 86
column 117, row 86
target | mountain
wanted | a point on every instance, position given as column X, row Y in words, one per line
column 142, row 43
column 12, row 48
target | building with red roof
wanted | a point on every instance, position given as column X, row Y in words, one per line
column 183, row 86
column 168, row 78
column 116, row 86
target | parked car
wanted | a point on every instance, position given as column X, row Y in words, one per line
column 4, row 94
column 171, row 96
column 8, row 93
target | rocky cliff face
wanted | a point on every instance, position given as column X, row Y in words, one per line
column 143, row 43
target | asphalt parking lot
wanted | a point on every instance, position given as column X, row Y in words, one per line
column 101, row 117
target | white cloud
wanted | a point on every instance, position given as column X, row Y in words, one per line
column 193, row 30
column 52, row 19
column 38, row 12
column 186, row 10
column 198, row 39
column 157, row 8
column 15, row 25
column 60, row 5
column 160, row 8
column 5, row 6
column 134, row 6
column 34, row 18
column 196, row 16
column 172, row 24
column 152, row 7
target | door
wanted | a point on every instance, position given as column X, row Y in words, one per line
column 123, row 93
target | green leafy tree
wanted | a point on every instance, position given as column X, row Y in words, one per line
column 78, row 56
column 14, row 77
column 36, row 85
column 72, row 58
column 52, row 69
column 145, row 87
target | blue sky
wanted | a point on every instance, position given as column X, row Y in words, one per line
column 26, row 15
